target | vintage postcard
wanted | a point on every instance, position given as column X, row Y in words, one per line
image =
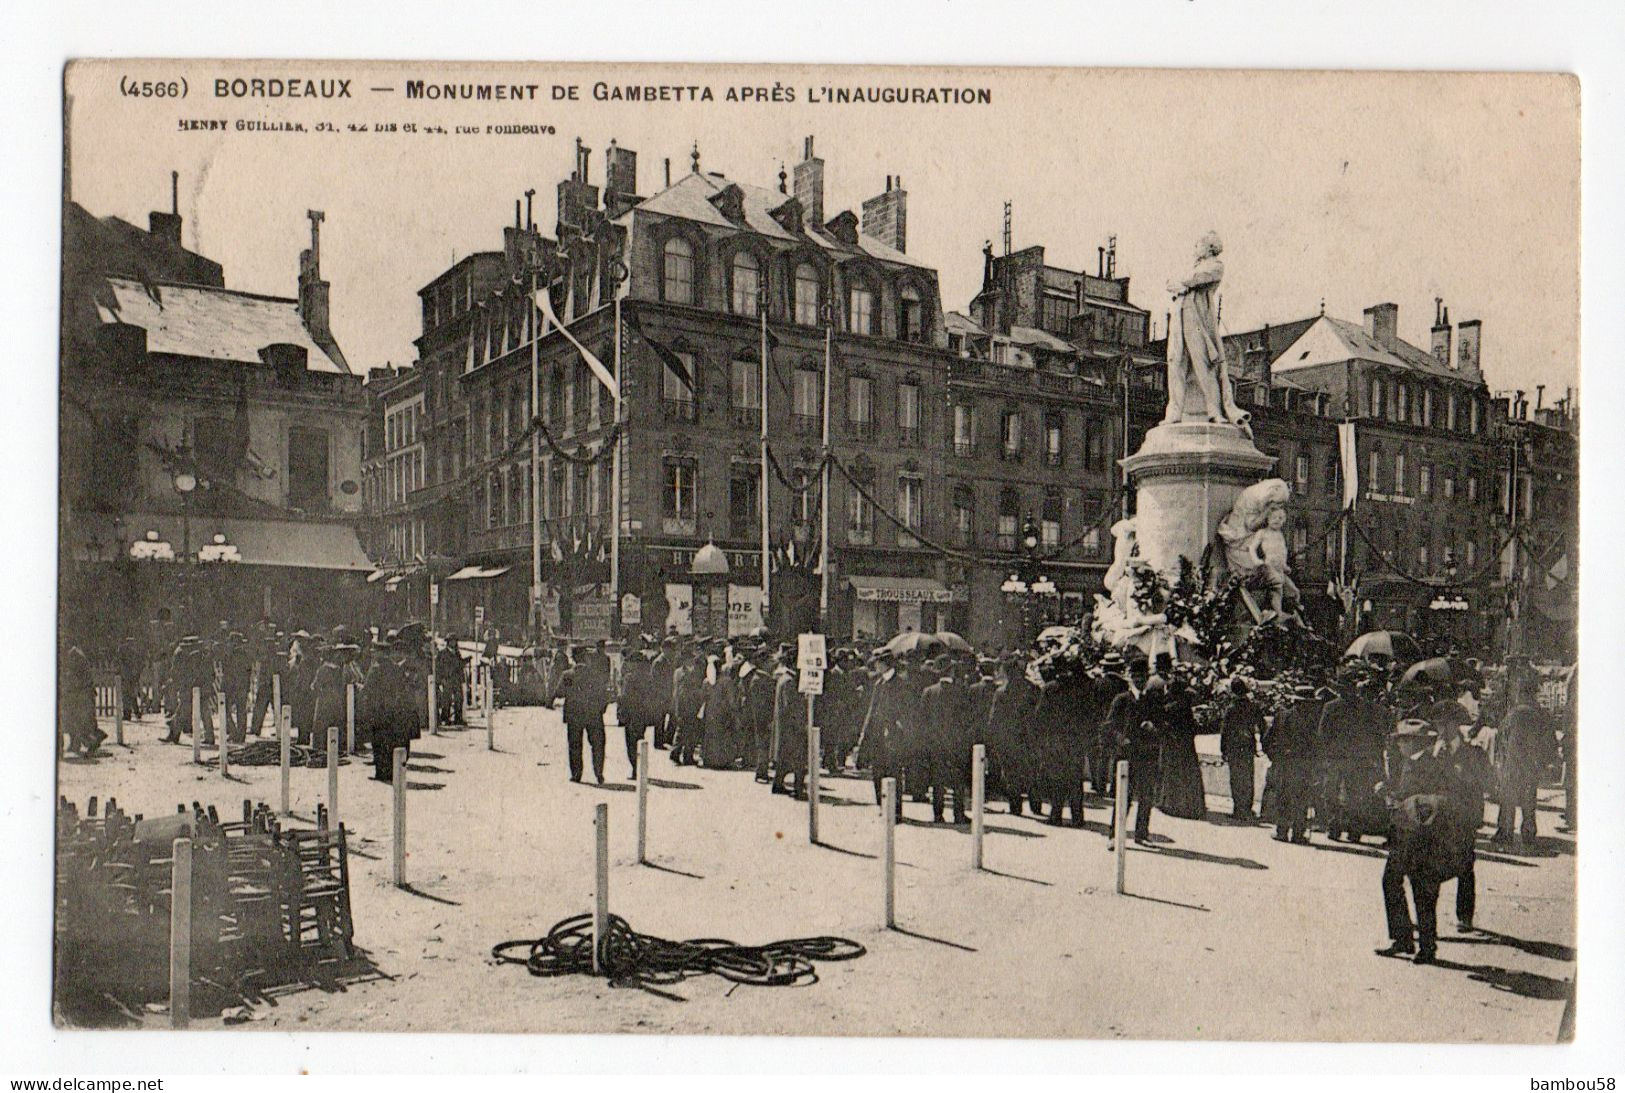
column 772, row 550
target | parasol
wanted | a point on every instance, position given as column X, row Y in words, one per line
column 1384, row 643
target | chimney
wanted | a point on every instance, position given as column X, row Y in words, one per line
column 167, row 226
column 1382, row 323
column 620, row 179
column 885, row 217
column 312, row 289
column 809, row 184
column 1468, row 344
column 1441, row 333
column 576, row 196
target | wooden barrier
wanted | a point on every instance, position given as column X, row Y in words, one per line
column 225, row 762
column 888, row 857
column 1120, row 823
column 197, row 724
column 180, row 935
column 978, row 801
column 399, row 786
column 276, row 698
column 433, row 700
column 600, row 892
column 118, row 710
column 349, row 718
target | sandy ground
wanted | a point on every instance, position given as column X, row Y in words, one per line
column 1227, row 934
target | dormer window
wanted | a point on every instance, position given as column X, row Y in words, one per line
column 747, row 284
column 807, row 287
column 678, row 271
column 910, row 315
column 860, row 309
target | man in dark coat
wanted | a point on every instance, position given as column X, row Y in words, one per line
column 1525, row 745
column 131, row 659
column 76, row 703
column 661, row 672
column 789, row 728
column 1122, row 715
column 1010, row 734
column 838, row 724
column 1142, row 720
column 893, row 708
column 687, row 697
column 1238, row 744
column 1350, row 737
column 586, row 696
column 1290, row 745
column 236, row 674
column 449, row 671
column 637, row 704
column 757, row 718
column 948, row 734
column 386, row 706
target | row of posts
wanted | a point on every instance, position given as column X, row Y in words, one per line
column 180, row 910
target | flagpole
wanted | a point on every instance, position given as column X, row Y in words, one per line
column 823, row 505
column 535, row 469
column 766, row 580
column 615, row 485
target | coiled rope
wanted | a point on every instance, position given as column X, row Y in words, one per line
column 631, row 959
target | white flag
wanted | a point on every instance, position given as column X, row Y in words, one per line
column 597, row 366
column 1349, row 451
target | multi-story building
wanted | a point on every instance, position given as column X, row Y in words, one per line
column 202, row 423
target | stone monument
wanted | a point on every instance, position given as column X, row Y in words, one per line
column 1191, row 468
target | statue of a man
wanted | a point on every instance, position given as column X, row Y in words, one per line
column 1194, row 346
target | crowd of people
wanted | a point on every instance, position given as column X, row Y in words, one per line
column 1358, row 751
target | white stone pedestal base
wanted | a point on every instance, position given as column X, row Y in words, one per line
column 1186, row 477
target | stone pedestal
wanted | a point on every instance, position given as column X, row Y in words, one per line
column 1186, row 477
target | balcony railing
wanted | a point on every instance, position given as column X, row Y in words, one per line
column 749, row 417
column 1052, row 459
column 678, row 409
column 861, row 536
column 908, row 436
column 964, row 447
column 806, row 424
column 861, row 430
column 1006, row 543
column 1010, row 454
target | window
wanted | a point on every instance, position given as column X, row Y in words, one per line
column 495, row 516
column 1472, row 553
column 1053, row 433
column 1402, row 402
column 747, row 284
column 595, row 489
column 555, row 492
column 804, row 501
column 1010, row 434
column 860, row 405
column 1300, row 473
column 1057, row 316
column 307, row 469
column 519, row 495
column 678, row 269
column 1474, row 417
column 1300, row 539
column 860, row 518
column 1399, row 474
column 1472, row 488
column 677, row 386
column 744, row 501
column 1448, row 486
column 1427, row 407
column 1450, row 411
column 580, row 491
column 1424, row 481
column 807, row 401
column 860, row 309
column 1422, row 558
column 964, row 516
column 1049, row 527
column 1373, row 473
column 908, row 413
column 214, row 441
column 807, row 287
column 964, row 429
column 910, row 315
column 910, row 506
column 678, row 495
column 1009, row 507
column 1094, row 444
column 1379, row 400
column 745, row 392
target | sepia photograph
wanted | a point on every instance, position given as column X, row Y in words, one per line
column 835, row 551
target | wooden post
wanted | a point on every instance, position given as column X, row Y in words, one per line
column 434, row 706
column 487, row 700
column 643, row 801
column 118, row 710
column 600, row 901
column 490, row 733
column 1120, row 822
column 333, row 775
column 813, row 753
column 978, row 801
column 180, row 935
column 197, row 724
column 349, row 718
column 276, row 700
column 284, row 734
column 225, row 763
column 888, row 857
column 399, row 787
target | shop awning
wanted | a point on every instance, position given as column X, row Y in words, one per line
column 903, row 590
column 292, row 544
